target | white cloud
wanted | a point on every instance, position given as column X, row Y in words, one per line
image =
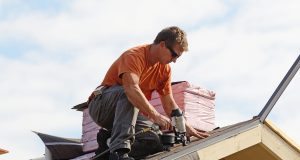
column 244, row 59
column 264, row 16
column 103, row 22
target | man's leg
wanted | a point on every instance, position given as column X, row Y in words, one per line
column 102, row 137
column 123, row 125
column 114, row 112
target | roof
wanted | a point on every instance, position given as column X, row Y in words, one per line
column 216, row 136
column 230, row 136
column 280, row 133
column 248, row 136
column 61, row 148
column 279, row 90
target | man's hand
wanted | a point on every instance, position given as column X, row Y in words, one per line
column 193, row 132
column 163, row 121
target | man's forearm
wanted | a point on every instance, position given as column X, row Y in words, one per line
column 168, row 103
column 137, row 98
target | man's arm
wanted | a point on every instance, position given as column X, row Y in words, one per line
column 137, row 98
column 169, row 104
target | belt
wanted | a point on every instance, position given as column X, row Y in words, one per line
column 97, row 92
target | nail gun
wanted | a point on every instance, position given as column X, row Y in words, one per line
column 178, row 123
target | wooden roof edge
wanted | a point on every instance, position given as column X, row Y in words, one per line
column 279, row 90
column 213, row 139
column 281, row 134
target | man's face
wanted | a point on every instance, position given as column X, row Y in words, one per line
column 170, row 54
column 174, row 54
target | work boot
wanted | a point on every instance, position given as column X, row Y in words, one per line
column 102, row 137
column 120, row 155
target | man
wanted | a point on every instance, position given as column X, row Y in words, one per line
column 120, row 104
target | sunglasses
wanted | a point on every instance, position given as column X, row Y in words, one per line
column 173, row 53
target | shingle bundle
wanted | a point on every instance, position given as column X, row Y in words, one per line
column 198, row 104
column 89, row 132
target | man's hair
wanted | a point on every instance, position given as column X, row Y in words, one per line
column 171, row 36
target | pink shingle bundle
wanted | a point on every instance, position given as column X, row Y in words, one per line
column 89, row 132
column 87, row 156
column 197, row 103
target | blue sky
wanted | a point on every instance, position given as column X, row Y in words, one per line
column 54, row 53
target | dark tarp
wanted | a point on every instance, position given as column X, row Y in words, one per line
column 61, row 148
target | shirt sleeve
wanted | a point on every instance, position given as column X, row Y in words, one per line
column 130, row 63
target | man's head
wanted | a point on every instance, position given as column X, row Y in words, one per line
column 174, row 40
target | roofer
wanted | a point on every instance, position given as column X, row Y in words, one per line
column 120, row 104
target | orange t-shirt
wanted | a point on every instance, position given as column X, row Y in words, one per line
column 135, row 60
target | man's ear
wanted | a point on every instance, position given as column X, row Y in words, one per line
column 162, row 44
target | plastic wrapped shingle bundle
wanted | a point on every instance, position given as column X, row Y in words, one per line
column 197, row 103
column 87, row 156
column 89, row 132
